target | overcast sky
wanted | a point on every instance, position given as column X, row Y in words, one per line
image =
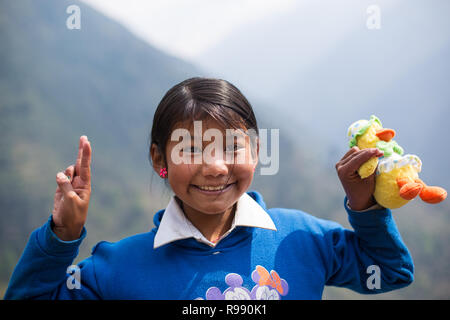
column 186, row 28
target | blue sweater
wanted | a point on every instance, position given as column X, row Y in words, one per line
column 294, row 262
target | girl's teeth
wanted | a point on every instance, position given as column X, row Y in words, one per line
column 211, row 188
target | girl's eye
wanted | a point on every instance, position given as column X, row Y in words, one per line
column 234, row 148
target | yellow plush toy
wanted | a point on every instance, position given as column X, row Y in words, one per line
column 397, row 180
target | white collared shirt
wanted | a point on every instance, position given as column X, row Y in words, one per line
column 175, row 226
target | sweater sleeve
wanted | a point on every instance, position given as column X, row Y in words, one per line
column 370, row 259
column 45, row 269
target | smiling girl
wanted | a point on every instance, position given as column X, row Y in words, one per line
column 215, row 239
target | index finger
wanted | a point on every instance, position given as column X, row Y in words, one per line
column 85, row 163
column 80, row 153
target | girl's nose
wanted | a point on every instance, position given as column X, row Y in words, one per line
column 215, row 168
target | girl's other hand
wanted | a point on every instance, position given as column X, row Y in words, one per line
column 359, row 191
column 72, row 195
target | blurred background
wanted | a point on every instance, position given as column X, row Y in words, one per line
column 309, row 68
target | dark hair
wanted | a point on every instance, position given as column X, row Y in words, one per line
column 195, row 99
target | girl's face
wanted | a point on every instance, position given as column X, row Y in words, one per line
column 207, row 181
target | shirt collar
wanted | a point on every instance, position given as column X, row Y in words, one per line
column 175, row 226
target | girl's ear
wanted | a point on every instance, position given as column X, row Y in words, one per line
column 157, row 159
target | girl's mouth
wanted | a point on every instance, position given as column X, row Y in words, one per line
column 213, row 190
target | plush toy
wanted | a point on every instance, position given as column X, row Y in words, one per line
column 397, row 176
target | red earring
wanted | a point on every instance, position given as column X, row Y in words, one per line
column 163, row 172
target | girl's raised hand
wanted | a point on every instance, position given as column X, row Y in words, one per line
column 359, row 191
column 72, row 195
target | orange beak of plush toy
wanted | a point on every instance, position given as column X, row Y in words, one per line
column 385, row 134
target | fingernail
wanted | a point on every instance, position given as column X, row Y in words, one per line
column 61, row 175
